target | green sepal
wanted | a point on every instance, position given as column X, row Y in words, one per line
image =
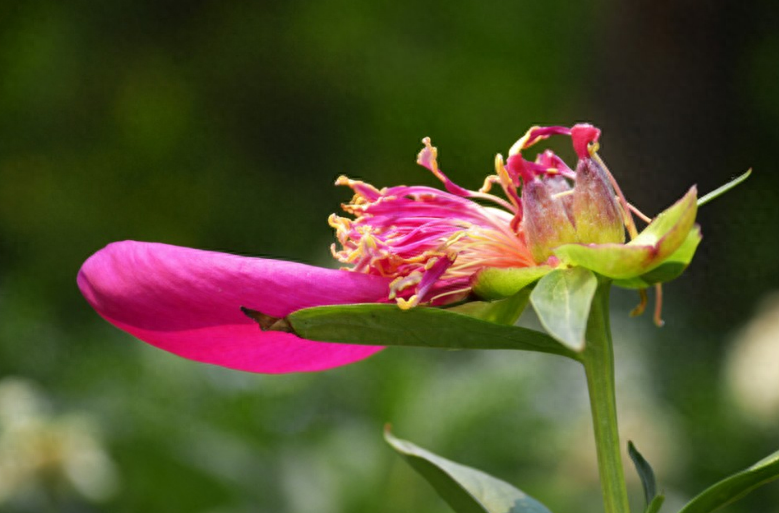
column 645, row 473
column 465, row 490
column 671, row 268
column 735, row 487
column 505, row 311
column 661, row 239
column 387, row 325
column 498, row 283
column 562, row 301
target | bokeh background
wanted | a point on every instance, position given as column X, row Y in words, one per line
column 222, row 125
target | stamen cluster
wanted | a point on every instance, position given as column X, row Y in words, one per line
column 433, row 242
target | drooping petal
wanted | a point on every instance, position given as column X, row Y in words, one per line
column 188, row 302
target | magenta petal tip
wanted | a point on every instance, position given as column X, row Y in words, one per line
column 188, row 302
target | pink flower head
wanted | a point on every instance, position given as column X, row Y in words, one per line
column 429, row 242
column 410, row 244
column 432, row 243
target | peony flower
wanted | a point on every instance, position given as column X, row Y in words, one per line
column 413, row 245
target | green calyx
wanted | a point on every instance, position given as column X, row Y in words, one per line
column 658, row 254
column 664, row 236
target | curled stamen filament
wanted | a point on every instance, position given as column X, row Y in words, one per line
column 640, row 214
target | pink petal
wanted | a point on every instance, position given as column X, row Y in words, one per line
column 188, row 301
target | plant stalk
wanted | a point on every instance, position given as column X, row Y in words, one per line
column 598, row 360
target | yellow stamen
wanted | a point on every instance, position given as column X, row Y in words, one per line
column 641, row 306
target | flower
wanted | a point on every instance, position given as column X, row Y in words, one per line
column 409, row 244
column 430, row 242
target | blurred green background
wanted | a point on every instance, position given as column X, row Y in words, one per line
column 222, row 125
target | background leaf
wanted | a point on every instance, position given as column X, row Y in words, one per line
column 383, row 324
column 736, row 486
column 645, row 473
column 465, row 489
column 655, row 505
column 562, row 301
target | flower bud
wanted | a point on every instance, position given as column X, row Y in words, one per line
column 594, row 207
column 545, row 221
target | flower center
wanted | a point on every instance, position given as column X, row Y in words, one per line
column 434, row 242
column 431, row 241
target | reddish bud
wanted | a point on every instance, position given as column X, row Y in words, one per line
column 545, row 221
column 594, row 206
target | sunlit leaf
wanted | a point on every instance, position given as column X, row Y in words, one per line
column 562, row 302
column 388, row 325
column 465, row 489
column 736, row 486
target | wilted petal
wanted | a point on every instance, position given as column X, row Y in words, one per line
column 188, row 301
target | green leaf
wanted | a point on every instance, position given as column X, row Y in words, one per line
column 388, row 325
column 465, row 489
column 661, row 239
column 506, row 311
column 497, row 283
column 671, row 268
column 719, row 191
column 656, row 504
column 645, row 473
column 562, row 301
column 736, row 486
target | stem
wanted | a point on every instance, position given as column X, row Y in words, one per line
column 598, row 359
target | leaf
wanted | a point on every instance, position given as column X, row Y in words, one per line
column 497, row 282
column 505, row 311
column 671, row 268
column 719, row 191
column 656, row 504
column 562, row 301
column 465, row 489
column 661, row 239
column 736, row 486
column 388, row 325
column 645, row 473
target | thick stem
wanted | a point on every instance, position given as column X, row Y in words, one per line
column 598, row 359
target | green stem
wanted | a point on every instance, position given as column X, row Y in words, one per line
column 598, row 359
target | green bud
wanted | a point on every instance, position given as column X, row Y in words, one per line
column 594, row 207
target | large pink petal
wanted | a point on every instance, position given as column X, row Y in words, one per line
column 188, row 301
